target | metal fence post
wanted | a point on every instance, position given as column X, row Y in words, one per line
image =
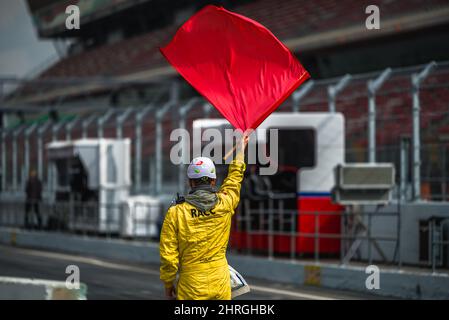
column 185, row 153
column 404, row 159
column 86, row 123
column 444, row 186
column 270, row 228
column 159, row 133
column 299, row 94
column 370, row 255
column 207, row 108
column 3, row 159
column 68, row 128
column 101, row 121
column 293, row 236
column 120, row 119
column 317, row 240
column 15, row 161
column 333, row 90
column 432, row 237
column 28, row 131
column 417, row 79
column 138, row 146
column 55, row 128
column 373, row 86
column 174, row 96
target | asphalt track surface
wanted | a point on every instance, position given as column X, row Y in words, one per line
column 107, row 279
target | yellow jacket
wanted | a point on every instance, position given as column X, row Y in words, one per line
column 194, row 243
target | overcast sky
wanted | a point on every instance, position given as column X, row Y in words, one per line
column 20, row 49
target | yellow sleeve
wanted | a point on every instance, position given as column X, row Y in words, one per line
column 230, row 189
column 168, row 248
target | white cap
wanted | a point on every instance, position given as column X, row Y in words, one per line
column 201, row 167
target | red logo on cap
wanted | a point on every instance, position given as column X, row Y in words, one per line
column 199, row 163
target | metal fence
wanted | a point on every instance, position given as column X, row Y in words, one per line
column 266, row 228
column 263, row 228
column 140, row 220
column 380, row 109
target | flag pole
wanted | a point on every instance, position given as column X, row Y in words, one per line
column 244, row 137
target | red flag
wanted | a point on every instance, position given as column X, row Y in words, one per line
column 237, row 64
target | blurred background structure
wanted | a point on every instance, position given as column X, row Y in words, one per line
column 109, row 81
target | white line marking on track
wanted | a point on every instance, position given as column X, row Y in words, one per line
column 290, row 293
column 120, row 266
column 92, row 261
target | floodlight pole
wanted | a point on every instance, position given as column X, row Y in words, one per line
column 417, row 79
column 334, row 89
column 373, row 86
column 299, row 94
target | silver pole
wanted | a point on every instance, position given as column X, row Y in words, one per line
column 159, row 166
column 15, row 163
column 333, row 90
column 101, row 121
column 40, row 150
column 373, row 86
column 299, row 94
column 138, row 146
column 174, row 96
column 417, row 78
column 207, row 108
column 405, row 145
column 120, row 120
column 3, row 159
column 68, row 128
column 182, row 125
column 28, row 131
column 55, row 130
column 86, row 123
column 2, row 126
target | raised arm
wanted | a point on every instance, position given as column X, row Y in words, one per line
column 230, row 189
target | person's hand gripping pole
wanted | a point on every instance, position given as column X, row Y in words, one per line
column 240, row 146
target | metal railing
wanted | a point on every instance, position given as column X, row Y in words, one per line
column 272, row 231
column 89, row 218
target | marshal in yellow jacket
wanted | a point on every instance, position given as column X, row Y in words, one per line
column 194, row 242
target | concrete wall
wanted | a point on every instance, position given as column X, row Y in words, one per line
column 411, row 214
column 393, row 282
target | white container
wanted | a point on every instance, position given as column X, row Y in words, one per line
column 140, row 216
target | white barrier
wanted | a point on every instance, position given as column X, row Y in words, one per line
column 38, row 289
